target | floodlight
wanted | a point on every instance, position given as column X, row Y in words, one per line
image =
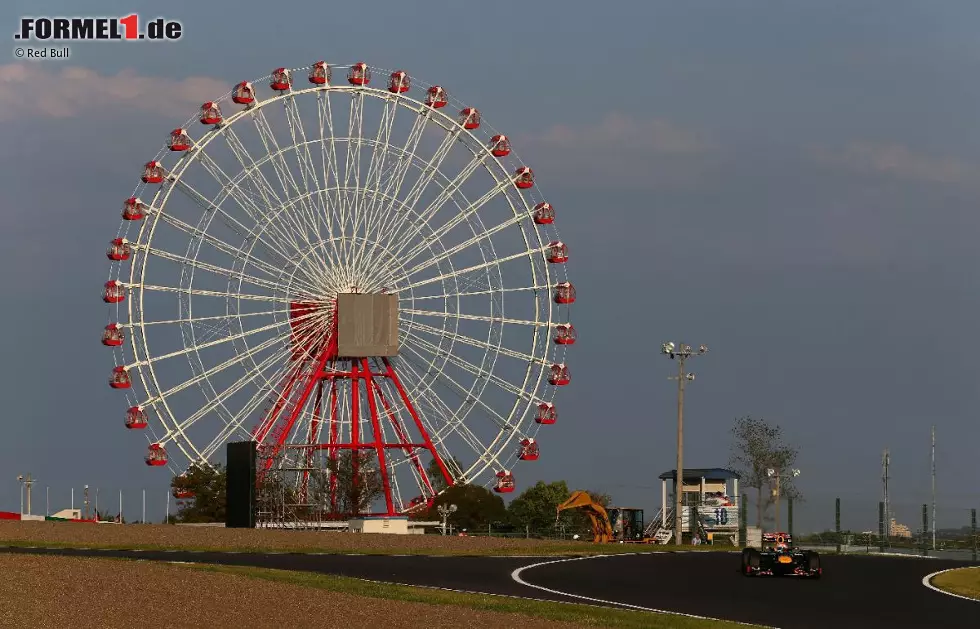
column 770, row 472
column 703, row 349
column 690, row 376
column 796, row 472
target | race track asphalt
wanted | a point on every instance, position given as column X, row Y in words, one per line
column 855, row 591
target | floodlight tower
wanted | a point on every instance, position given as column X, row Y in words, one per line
column 774, row 473
column 680, row 352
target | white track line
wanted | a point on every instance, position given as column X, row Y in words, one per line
column 516, row 576
column 927, row 581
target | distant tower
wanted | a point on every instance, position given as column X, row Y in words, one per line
column 885, row 461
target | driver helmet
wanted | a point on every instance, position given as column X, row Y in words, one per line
column 781, row 543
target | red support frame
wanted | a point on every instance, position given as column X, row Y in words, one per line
column 309, row 378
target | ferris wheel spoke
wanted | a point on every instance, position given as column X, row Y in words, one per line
column 473, row 370
column 352, row 168
column 331, row 164
column 466, row 340
column 372, row 182
column 492, row 291
column 470, row 317
column 214, row 343
column 277, row 251
column 427, row 175
column 208, row 293
column 458, row 219
column 470, row 269
column 211, row 268
column 219, row 368
column 266, row 313
column 181, row 427
column 284, row 173
column 238, row 419
column 451, row 189
column 221, row 246
column 406, row 157
column 441, row 409
column 232, row 188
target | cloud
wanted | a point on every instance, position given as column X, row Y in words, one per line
column 624, row 151
column 34, row 89
column 896, row 160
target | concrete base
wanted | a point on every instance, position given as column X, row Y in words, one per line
column 397, row 525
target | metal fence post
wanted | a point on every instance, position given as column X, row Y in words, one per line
column 837, row 524
column 743, row 512
column 881, row 526
column 925, row 529
column 973, row 531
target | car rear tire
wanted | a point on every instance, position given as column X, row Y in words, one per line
column 751, row 560
column 813, row 564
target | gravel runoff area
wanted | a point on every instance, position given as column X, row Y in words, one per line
column 37, row 592
column 160, row 536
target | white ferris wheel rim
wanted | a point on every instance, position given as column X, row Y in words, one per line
column 528, row 395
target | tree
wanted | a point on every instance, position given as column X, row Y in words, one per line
column 435, row 474
column 476, row 506
column 757, row 446
column 356, row 491
column 536, row 507
column 207, row 484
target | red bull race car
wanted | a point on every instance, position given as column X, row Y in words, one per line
column 779, row 558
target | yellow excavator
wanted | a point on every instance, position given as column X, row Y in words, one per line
column 602, row 532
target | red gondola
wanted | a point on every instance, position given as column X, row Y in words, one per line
column 564, row 293
column 559, row 375
column 436, row 97
column 505, row 482
column 156, row 455
column 399, row 83
column 210, row 113
column 547, row 413
column 120, row 378
column 179, row 140
column 565, row 334
column 136, row 418
column 320, row 73
column 113, row 292
column 469, row 118
column 281, row 80
column 119, row 250
column 113, row 335
column 243, row 94
column 544, row 214
column 133, row 209
column 557, row 252
column 153, row 172
column 524, row 178
column 499, row 146
column 530, row 451
column 359, row 74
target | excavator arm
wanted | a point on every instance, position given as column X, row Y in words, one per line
column 601, row 528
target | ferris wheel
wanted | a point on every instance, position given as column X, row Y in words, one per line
column 328, row 266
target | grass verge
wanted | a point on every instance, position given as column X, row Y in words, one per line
column 567, row 612
column 962, row 581
column 538, row 550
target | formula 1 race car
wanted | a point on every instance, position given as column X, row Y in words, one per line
column 779, row 557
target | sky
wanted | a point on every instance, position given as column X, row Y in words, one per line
column 793, row 184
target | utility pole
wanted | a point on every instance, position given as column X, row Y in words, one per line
column 885, row 461
column 934, row 487
column 85, row 516
column 681, row 353
column 26, row 482
column 775, row 474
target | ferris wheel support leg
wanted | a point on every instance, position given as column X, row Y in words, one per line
column 355, row 424
column 334, row 429
column 378, row 436
column 418, row 422
column 263, row 429
column 284, row 429
column 311, row 440
column 410, row 451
